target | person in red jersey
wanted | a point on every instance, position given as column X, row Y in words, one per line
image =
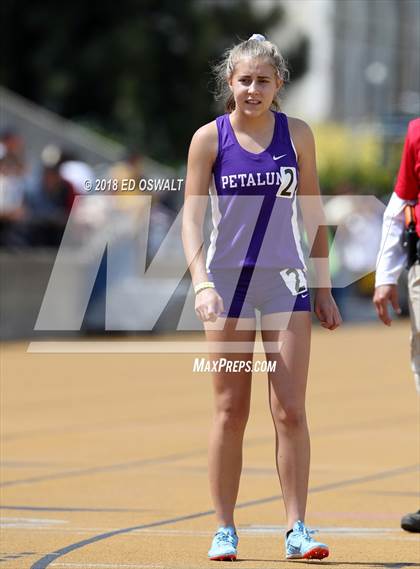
column 392, row 257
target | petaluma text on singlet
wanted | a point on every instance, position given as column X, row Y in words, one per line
column 247, row 180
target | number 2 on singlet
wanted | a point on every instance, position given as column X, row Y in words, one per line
column 295, row 280
column 288, row 182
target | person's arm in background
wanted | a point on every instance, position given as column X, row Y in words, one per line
column 391, row 257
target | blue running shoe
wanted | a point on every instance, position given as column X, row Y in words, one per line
column 301, row 545
column 224, row 544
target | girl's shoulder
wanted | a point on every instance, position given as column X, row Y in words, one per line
column 207, row 132
column 207, row 138
column 298, row 126
column 300, row 133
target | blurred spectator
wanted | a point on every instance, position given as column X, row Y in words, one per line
column 12, row 152
column 48, row 208
column 75, row 171
column 12, row 188
column 159, row 218
column 37, row 215
column 356, row 243
column 131, row 168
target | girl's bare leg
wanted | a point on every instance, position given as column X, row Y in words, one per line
column 287, row 389
column 232, row 396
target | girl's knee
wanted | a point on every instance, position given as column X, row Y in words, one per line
column 289, row 416
column 232, row 418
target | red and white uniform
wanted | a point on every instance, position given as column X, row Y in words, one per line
column 391, row 258
column 408, row 181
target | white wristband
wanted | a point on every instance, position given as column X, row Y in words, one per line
column 202, row 286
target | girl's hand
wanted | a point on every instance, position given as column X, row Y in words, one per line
column 326, row 309
column 208, row 305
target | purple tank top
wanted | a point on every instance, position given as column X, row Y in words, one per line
column 253, row 200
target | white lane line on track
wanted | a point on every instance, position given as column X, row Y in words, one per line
column 110, row 565
column 350, row 529
column 394, row 534
column 152, row 347
column 28, row 523
column 118, row 566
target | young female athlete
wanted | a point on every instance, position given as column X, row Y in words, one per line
column 256, row 161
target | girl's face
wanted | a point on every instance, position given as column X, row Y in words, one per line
column 254, row 84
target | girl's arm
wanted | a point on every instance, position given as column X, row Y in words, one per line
column 201, row 157
column 314, row 221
